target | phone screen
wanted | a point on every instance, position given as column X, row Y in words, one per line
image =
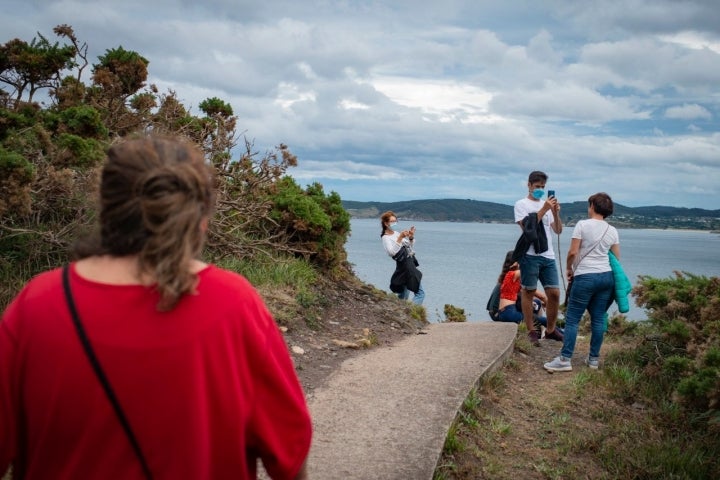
column 551, row 193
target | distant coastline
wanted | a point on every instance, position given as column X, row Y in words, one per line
column 460, row 210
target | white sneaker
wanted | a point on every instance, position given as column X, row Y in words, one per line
column 559, row 364
column 593, row 363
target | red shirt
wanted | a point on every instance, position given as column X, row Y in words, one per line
column 510, row 286
column 208, row 387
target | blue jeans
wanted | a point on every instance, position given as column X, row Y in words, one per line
column 510, row 314
column 591, row 292
column 417, row 299
column 534, row 268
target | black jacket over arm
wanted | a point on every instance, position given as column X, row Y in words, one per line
column 406, row 274
column 533, row 234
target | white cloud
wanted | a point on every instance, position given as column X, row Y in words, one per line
column 688, row 112
column 438, row 100
column 694, row 40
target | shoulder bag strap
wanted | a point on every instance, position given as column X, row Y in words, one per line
column 593, row 247
column 101, row 374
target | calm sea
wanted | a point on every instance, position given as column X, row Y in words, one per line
column 460, row 262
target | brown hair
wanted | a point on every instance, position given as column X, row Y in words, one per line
column 602, row 204
column 154, row 194
column 385, row 221
column 537, row 176
column 507, row 263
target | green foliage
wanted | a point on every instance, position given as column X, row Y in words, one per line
column 677, row 331
column 298, row 210
column 276, row 272
column 214, row 106
column 312, row 220
column 16, row 173
column 680, row 361
column 82, row 120
column 80, row 152
column 11, row 120
column 14, row 164
column 454, row 314
column 276, row 231
column 28, row 67
column 418, row 312
column 712, row 357
column 675, row 366
column 143, row 102
column 121, row 71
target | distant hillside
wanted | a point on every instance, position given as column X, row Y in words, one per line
column 457, row 210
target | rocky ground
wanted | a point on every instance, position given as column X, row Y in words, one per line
column 346, row 318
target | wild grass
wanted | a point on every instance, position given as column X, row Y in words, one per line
column 651, row 411
column 284, row 271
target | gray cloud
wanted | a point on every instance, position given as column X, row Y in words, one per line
column 418, row 99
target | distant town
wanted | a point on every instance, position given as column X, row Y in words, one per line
column 459, row 210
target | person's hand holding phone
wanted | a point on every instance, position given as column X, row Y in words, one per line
column 552, row 200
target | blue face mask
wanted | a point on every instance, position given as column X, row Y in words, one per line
column 538, row 193
column 393, row 225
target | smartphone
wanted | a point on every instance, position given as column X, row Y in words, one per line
column 551, row 193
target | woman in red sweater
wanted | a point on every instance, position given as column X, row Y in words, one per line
column 197, row 364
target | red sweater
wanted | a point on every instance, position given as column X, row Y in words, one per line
column 208, row 387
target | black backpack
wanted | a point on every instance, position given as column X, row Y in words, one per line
column 493, row 303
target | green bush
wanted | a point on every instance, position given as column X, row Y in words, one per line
column 78, row 151
column 312, row 220
column 84, row 121
column 454, row 314
column 16, row 174
column 682, row 356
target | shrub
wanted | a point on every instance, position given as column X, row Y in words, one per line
column 78, row 151
column 16, row 174
column 311, row 220
column 683, row 356
column 454, row 314
column 84, row 121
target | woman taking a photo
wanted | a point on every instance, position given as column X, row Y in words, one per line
column 399, row 246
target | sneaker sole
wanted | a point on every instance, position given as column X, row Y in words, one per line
column 557, row 369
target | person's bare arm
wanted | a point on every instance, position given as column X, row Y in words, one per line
column 616, row 250
column 557, row 221
column 572, row 255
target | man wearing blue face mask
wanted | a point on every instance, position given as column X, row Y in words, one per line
column 538, row 219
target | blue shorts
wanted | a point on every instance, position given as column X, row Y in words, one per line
column 536, row 267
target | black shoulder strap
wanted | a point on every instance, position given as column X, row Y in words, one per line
column 100, row 373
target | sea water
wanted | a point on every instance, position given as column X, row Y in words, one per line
column 461, row 262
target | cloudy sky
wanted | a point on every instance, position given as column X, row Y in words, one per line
column 412, row 99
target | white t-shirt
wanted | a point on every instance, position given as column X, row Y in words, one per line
column 594, row 258
column 392, row 246
column 525, row 207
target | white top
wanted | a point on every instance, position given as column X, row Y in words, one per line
column 594, row 258
column 525, row 207
column 390, row 242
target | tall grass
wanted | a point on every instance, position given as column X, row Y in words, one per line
column 283, row 271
